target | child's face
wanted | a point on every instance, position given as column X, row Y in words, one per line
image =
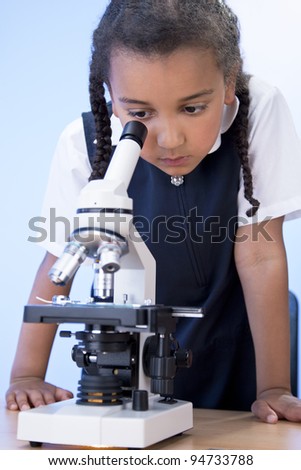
column 180, row 98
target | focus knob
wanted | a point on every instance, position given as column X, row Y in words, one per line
column 183, row 358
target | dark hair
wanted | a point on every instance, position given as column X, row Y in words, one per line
column 159, row 27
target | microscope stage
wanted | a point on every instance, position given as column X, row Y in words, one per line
column 67, row 423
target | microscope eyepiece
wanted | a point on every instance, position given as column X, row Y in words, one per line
column 136, row 131
column 127, row 152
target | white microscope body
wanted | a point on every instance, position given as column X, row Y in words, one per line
column 106, row 232
column 127, row 350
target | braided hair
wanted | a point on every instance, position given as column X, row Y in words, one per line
column 158, row 28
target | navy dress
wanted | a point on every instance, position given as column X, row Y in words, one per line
column 190, row 231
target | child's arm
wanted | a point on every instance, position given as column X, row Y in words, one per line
column 261, row 262
column 27, row 386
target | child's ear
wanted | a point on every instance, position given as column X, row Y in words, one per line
column 230, row 92
column 114, row 110
column 230, row 86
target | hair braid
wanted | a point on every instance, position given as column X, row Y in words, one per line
column 102, row 128
column 240, row 132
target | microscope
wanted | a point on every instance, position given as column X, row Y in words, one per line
column 127, row 350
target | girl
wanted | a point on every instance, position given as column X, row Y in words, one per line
column 221, row 160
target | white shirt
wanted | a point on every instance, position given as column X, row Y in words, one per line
column 274, row 155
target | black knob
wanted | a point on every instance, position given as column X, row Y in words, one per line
column 183, row 358
column 140, row 400
column 65, row 334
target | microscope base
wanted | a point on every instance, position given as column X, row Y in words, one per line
column 67, row 423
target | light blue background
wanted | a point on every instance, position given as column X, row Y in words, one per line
column 45, row 51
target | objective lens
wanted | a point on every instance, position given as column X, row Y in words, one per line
column 103, row 285
column 66, row 266
column 110, row 258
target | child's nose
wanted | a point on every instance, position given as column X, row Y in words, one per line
column 170, row 135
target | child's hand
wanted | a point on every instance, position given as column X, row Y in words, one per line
column 33, row 392
column 275, row 404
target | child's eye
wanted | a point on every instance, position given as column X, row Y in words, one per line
column 195, row 109
column 139, row 114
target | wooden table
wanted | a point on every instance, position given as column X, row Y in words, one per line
column 213, row 429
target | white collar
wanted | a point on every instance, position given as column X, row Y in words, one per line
column 229, row 114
